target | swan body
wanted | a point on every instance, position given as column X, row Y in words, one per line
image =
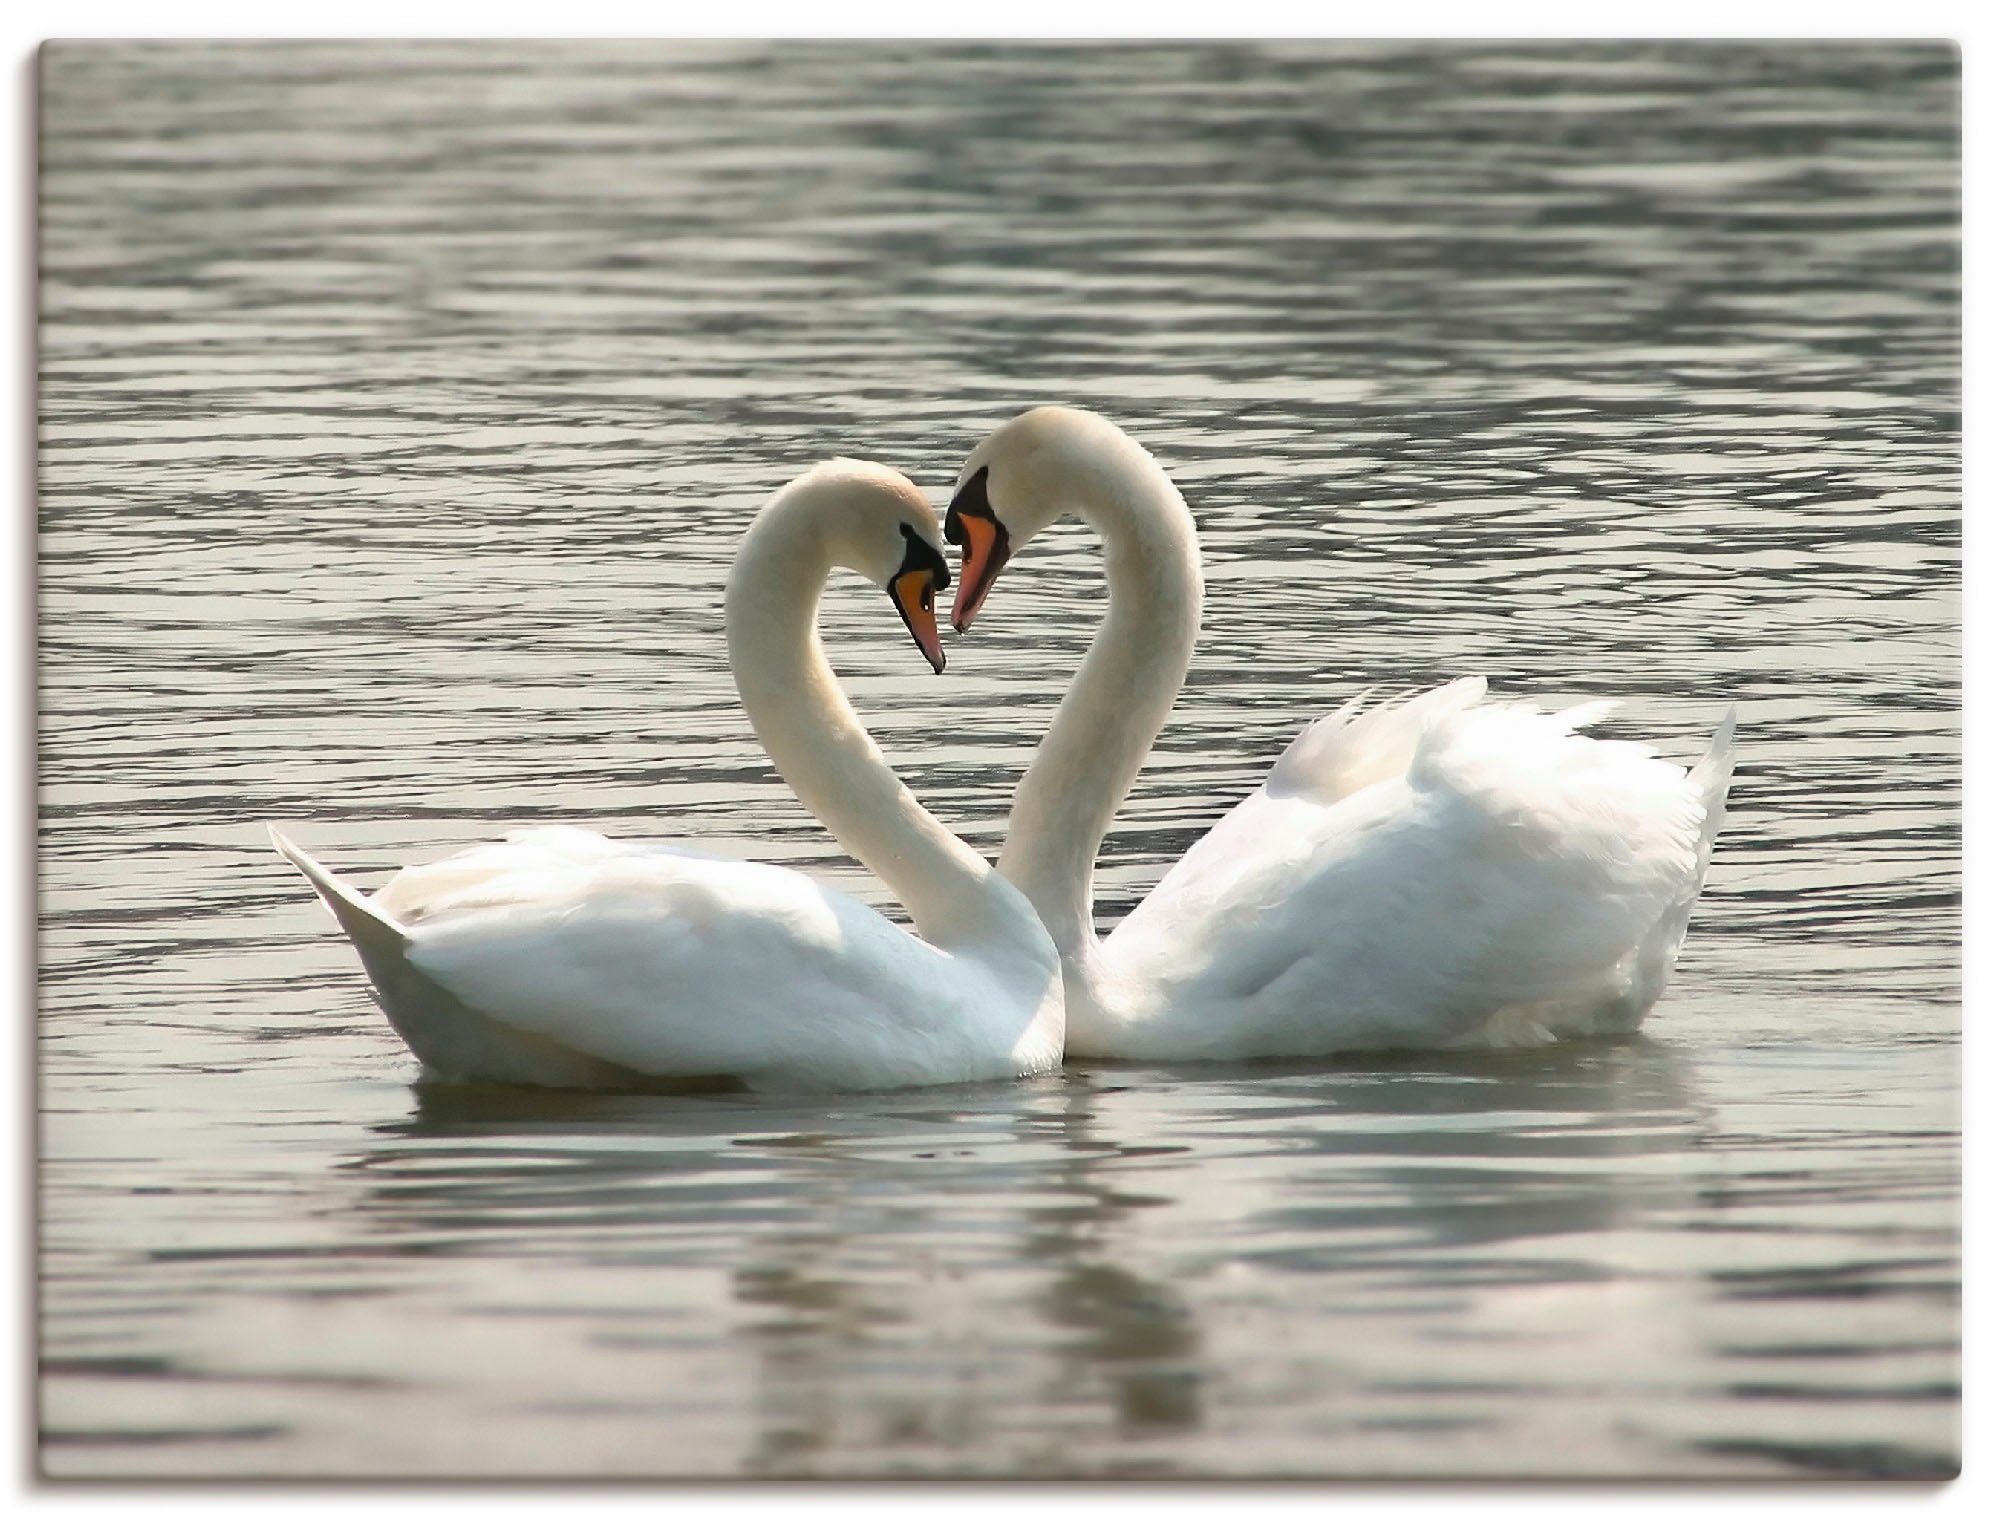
column 562, row 958
column 1438, row 870
column 1482, row 874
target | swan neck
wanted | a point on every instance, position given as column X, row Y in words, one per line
column 1122, row 693
column 821, row 750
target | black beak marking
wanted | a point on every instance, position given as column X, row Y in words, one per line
column 969, row 502
column 972, row 502
column 919, row 555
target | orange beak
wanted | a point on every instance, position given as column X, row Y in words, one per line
column 983, row 554
column 915, row 595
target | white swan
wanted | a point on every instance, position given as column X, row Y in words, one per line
column 561, row 958
column 1435, row 871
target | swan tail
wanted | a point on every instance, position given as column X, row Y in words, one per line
column 1642, row 976
column 452, row 1039
column 1711, row 775
column 379, row 937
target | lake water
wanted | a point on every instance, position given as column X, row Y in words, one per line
column 401, row 406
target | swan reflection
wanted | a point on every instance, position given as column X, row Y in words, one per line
column 1045, row 1276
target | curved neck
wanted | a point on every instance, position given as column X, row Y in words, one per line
column 770, row 610
column 1120, row 698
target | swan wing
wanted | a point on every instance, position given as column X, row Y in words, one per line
column 1357, row 745
column 1466, row 870
column 1353, row 747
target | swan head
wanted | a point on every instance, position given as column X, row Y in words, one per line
column 1025, row 476
column 873, row 520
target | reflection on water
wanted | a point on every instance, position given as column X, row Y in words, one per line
column 401, row 405
column 1064, row 1257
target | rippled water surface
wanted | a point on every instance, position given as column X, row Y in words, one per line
column 400, row 408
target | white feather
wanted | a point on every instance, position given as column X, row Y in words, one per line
column 1507, row 881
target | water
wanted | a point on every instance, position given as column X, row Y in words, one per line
column 400, row 408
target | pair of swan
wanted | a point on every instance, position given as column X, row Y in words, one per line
column 1442, row 870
